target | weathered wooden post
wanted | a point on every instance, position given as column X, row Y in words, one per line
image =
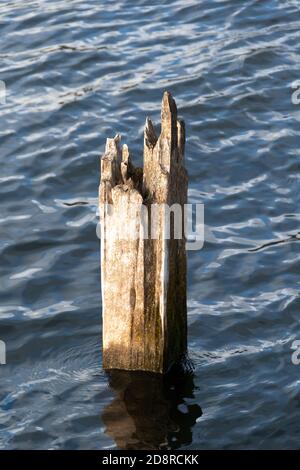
column 144, row 277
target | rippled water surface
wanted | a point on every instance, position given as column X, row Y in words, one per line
column 77, row 72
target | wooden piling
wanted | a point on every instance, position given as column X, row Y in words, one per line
column 144, row 278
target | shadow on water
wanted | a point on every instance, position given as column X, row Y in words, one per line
column 149, row 411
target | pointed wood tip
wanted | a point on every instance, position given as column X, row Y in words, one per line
column 168, row 107
column 150, row 134
column 112, row 146
column 169, row 118
column 110, row 160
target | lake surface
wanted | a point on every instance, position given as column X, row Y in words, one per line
column 76, row 72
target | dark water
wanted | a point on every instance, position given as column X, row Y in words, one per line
column 77, row 72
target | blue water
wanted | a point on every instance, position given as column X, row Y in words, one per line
column 77, row 72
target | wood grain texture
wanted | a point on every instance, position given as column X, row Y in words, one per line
column 144, row 278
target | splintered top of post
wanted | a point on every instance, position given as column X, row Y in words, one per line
column 168, row 148
column 161, row 154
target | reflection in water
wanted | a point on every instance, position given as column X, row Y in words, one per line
column 149, row 411
column 290, row 238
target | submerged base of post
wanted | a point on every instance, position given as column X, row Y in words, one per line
column 143, row 261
